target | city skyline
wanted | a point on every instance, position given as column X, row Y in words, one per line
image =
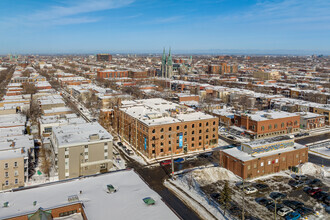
column 146, row 26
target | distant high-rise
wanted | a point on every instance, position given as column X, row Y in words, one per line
column 103, row 57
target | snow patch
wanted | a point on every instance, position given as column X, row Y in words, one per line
column 313, row 169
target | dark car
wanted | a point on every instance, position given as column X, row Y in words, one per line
column 240, row 184
column 296, row 184
column 326, row 200
column 179, row 160
column 314, row 190
column 261, row 186
column 293, row 216
column 277, row 195
column 271, row 207
column 314, row 182
column 305, row 211
column 319, row 196
column 205, row 155
column 215, row 196
column 301, row 177
column 120, row 144
column 293, row 204
column 263, row 201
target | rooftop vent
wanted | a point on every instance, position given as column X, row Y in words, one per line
column 73, row 198
column 94, row 137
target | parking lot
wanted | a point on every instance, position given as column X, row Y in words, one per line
column 260, row 205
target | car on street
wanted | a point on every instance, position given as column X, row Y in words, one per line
column 263, row 201
column 326, row 200
column 129, row 152
column 305, row 211
column 165, row 162
column 271, row 207
column 293, row 204
column 178, row 160
column 284, row 211
column 261, row 186
column 250, row 190
column 314, row 190
column 293, row 216
column 277, row 195
column 120, row 144
column 314, row 182
column 205, row 155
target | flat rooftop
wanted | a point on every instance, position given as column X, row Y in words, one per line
column 243, row 156
column 12, row 120
column 79, row 134
column 261, row 142
column 126, row 203
column 269, row 115
column 159, row 111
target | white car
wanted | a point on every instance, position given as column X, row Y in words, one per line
column 284, row 211
column 250, row 190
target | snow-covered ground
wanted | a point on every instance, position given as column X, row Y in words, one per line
column 191, row 182
column 126, row 203
column 315, row 170
column 321, row 151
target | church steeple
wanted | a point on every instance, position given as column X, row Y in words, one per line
column 163, row 67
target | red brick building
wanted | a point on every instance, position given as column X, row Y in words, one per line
column 103, row 57
column 264, row 157
column 112, row 73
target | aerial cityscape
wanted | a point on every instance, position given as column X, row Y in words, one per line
column 143, row 109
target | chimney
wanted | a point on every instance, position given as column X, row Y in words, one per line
column 12, row 144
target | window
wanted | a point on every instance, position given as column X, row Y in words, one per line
column 276, row 161
column 161, row 150
column 170, row 128
column 249, row 167
column 192, row 145
column 213, row 135
column 207, row 124
column 86, row 153
column 6, row 174
column 200, row 124
column 185, row 133
column 262, row 128
column 297, row 155
column 86, row 146
column 153, row 138
column 16, row 173
column 193, row 125
column 282, row 125
column 153, row 130
column 192, row 139
column 275, row 126
column 207, row 137
column 6, row 165
column 185, row 127
column 193, row 132
column 213, row 129
column 16, row 181
column 177, row 127
column 255, row 166
column 161, row 144
column 177, row 141
column 169, row 148
column 106, row 144
column 162, row 137
column 200, row 131
column 153, row 151
column 200, row 144
column 207, row 130
column 283, row 158
column 253, row 127
column 200, row 137
column 63, row 214
column 169, row 142
column 269, row 162
column 213, row 122
column 66, row 156
column 262, row 164
column 7, row 183
column 153, row 145
column 15, row 164
column 169, row 136
column 269, row 127
column 162, row 130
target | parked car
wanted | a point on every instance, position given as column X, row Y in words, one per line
column 296, row 184
column 263, row 201
column 305, row 211
column 261, row 186
column 319, row 196
column 301, row 177
column 326, row 200
column 231, row 137
column 284, row 211
column 129, row 152
column 293, row 216
column 293, row 204
column 314, row 182
column 277, row 195
column 250, row 190
column 120, row 144
column 240, row 184
column 314, row 190
column 165, row 162
column 178, row 160
column 205, row 155
column 271, row 207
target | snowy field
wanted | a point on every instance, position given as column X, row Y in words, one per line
column 126, row 203
column 200, row 183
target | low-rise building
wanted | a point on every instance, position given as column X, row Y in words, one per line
column 81, row 149
column 263, row 157
column 310, row 120
column 157, row 128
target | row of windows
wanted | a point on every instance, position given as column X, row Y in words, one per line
column 15, row 173
column 7, row 182
column 270, row 162
column 7, row 165
column 185, row 140
column 275, row 126
column 178, row 127
column 178, row 134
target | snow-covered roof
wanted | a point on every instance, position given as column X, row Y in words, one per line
column 12, row 120
column 269, row 115
column 126, row 203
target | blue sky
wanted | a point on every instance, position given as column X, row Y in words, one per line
column 89, row 26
